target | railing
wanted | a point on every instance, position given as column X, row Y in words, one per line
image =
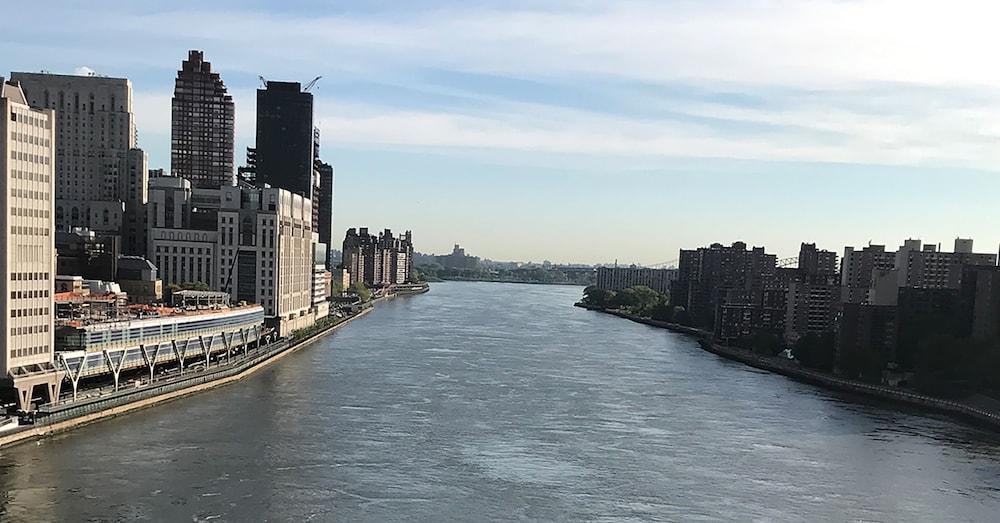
column 60, row 412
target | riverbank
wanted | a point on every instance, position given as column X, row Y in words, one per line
column 791, row 369
column 65, row 417
column 525, row 282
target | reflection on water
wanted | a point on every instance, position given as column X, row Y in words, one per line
column 488, row 401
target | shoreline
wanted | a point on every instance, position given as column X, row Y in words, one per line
column 521, row 282
column 169, row 391
column 790, row 369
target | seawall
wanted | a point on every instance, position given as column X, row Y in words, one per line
column 793, row 370
column 129, row 400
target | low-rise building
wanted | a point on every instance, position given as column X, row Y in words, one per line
column 138, row 278
column 620, row 278
column 145, row 337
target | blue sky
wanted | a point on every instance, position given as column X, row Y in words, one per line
column 585, row 131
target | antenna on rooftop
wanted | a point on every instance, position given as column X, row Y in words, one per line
column 263, row 82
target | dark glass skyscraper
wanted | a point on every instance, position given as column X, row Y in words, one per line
column 202, row 125
column 325, row 206
column 285, row 153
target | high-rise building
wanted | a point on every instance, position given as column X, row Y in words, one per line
column 260, row 250
column 927, row 267
column 858, row 269
column 324, row 201
column 27, row 269
column 285, row 155
column 817, row 261
column 723, row 288
column 202, row 125
column 265, row 246
column 812, row 304
column 378, row 261
column 133, row 181
column 358, row 255
column 94, row 127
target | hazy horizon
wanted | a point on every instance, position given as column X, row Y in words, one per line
column 584, row 132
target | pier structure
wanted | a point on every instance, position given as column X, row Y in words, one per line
column 153, row 337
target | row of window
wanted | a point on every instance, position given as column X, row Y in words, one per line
column 185, row 250
column 29, row 139
column 38, row 293
column 29, row 312
column 29, row 351
column 30, row 329
column 29, row 276
column 28, row 119
column 29, row 231
column 18, row 174
column 36, row 158
column 29, row 213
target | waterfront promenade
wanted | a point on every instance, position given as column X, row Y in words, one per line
column 790, row 368
column 66, row 415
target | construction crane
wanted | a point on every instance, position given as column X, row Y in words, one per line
column 311, row 84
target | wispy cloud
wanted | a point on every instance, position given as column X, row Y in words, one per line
column 879, row 81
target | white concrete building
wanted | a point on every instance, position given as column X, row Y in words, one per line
column 95, row 126
column 181, row 253
column 265, row 250
column 320, row 305
column 27, row 267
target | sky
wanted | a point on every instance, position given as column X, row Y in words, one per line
column 594, row 131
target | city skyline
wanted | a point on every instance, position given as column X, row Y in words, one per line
column 541, row 120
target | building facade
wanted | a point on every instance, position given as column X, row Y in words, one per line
column 181, row 251
column 94, row 127
column 719, row 285
column 927, row 267
column 620, row 278
column 817, row 261
column 265, row 253
column 378, row 261
column 812, row 305
column 27, row 269
column 857, row 269
column 202, row 125
column 284, row 155
column 324, row 202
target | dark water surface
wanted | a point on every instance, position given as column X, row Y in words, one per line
column 484, row 401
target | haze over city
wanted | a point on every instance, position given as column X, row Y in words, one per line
column 590, row 131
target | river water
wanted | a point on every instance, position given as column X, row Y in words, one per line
column 483, row 401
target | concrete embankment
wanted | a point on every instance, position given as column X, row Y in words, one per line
column 127, row 400
column 793, row 370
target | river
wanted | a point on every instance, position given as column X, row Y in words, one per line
column 485, row 401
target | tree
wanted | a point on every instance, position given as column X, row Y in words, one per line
column 337, row 287
column 662, row 311
column 597, row 297
column 815, row 351
column 189, row 286
column 624, row 299
column 361, row 290
column 645, row 299
column 764, row 343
